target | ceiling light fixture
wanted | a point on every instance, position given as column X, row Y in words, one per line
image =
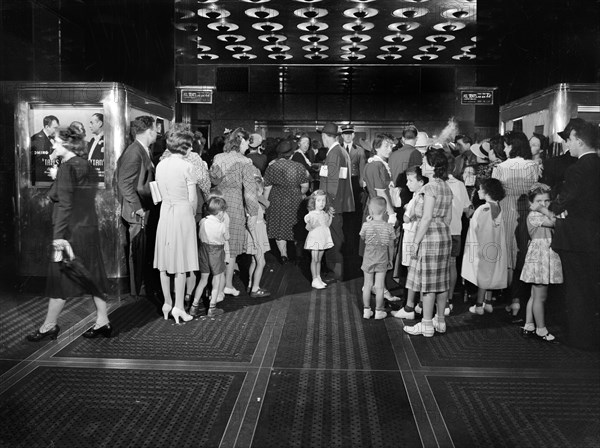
column 403, row 27
column 449, row 27
column 314, row 38
column 223, row 26
column 267, row 27
column 262, row 13
column 231, row 38
column 410, row 13
column 440, row 38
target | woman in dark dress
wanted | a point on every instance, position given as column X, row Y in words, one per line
column 286, row 182
column 75, row 231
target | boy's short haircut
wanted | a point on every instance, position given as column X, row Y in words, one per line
column 216, row 205
column 377, row 205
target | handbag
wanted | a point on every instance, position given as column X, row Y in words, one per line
column 395, row 196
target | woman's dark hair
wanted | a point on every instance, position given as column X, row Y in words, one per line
column 418, row 173
column 179, row 139
column 79, row 127
column 497, row 145
column 519, row 145
column 436, row 158
column 141, row 124
column 538, row 188
column 493, row 188
column 233, row 140
column 313, row 197
column 380, row 138
column 72, row 140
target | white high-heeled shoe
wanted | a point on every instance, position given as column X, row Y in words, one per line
column 166, row 309
column 179, row 313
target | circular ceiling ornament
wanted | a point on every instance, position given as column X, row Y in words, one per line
column 358, row 26
column 213, row 13
column 309, row 1
column 468, row 48
column 389, row 57
column 425, row 57
column 460, row 14
column 311, row 13
column 449, row 27
column 432, row 48
column 244, row 56
column 440, row 38
column 416, row 1
column 314, row 38
column 206, row 2
column 203, row 48
column 256, row 1
column 475, row 39
column 223, row 26
column 398, row 38
column 361, row 12
column 272, row 38
column 403, row 27
column 393, row 48
column 267, row 27
column 464, row 57
column 352, row 56
column 195, row 38
column 238, row 48
column 231, row 38
column 187, row 27
column 316, row 56
column 277, row 48
column 361, row 1
column 315, row 48
column 207, row 57
column 354, row 47
column 313, row 26
column 356, row 38
column 410, row 13
column 281, row 56
column 184, row 14
column 262, row 13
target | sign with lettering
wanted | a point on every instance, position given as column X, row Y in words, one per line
column 198, row 96
column 477, row 97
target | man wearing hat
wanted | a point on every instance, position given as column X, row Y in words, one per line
column 404, row 158
column 358, row 160
column 555, row 168
column 577, row 236
column 335, row 180
column 259, row 160
column 464, row 160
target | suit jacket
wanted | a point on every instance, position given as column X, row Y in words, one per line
column 134, row 192
column 98, row 153
column 338, row 190
column 554, row 170
column 580, row 197
column 358, row 159
column 41, row 147
column 403, row 159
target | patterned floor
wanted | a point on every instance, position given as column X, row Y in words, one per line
column 298, row 369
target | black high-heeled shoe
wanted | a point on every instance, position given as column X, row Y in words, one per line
column 105, row 330
column 39, row 336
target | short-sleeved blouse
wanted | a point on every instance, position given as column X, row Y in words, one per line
column 377, row 177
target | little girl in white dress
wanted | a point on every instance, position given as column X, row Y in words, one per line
column 318, row 220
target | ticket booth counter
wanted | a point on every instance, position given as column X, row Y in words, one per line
column 119, row 105
column 548, row 111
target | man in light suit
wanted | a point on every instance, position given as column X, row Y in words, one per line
column 135, row 171
column 335, row 180
column 577, row 236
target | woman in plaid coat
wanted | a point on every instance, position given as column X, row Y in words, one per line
column 429, row 270
column 233, row 173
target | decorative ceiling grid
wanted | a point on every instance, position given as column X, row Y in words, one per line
column 326, row 32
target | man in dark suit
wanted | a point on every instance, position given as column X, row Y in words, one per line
column 41, row 148
column 135, row 171
column 577, row 236
column 335, row 180
column 555, row 168
column 358, row 160
column 96, row 145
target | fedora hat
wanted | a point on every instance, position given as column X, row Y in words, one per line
column 422, row 139
column 347, row 129
column 573, row 123
column 285, row 148
column 364, row 144
column 480, row 151
column 329, row 128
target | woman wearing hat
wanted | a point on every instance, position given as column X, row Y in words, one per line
column 286, row 182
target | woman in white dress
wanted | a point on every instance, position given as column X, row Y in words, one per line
column 176, row 252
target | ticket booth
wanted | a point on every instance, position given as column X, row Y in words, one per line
column 117, row 105
column 548, row 111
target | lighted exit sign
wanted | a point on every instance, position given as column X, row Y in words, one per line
column 198, row 96
column 477, row 97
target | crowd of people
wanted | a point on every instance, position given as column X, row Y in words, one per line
column 501, row 211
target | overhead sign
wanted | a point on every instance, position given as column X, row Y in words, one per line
column 477, row 97
column 198, row 96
